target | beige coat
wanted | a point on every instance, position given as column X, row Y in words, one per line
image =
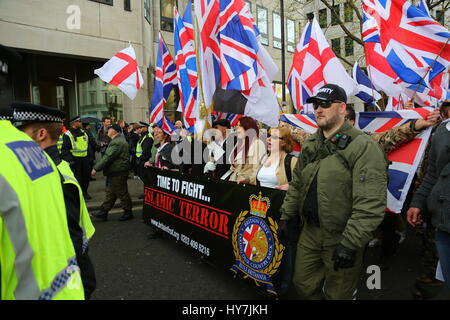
column 249, row 168
column 281, row 171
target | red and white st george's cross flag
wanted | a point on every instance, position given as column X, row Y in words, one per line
column 123, row 72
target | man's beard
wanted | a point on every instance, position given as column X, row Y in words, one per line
column 330, row 123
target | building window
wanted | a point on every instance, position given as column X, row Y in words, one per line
column 249, row 5
column 167, row 14
column 348, row 46
column 276, row 30
column 334, row 19
column 261, row 16
column 147, row 12
column 290, row 27
column 440, row 14
column 348, row 12
column 109, row 2
column 323, row 18
column 127, row 5
column 336, row 46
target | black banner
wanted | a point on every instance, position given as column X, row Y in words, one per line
column 232, row 226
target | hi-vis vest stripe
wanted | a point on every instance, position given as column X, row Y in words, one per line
column 139, row 144
column 80, row 145
column 85, row 222
column 37, row 257
column 60, row 142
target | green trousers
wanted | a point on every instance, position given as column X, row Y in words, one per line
column 117, row 187
column 314, row 276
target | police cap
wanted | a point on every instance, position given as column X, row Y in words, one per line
column 143, row 124
column 75, row 119
column 24, row 113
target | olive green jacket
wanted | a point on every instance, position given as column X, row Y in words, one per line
column 116, row 160
column 351, row 186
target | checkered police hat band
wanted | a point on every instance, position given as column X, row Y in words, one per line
column 35, row 116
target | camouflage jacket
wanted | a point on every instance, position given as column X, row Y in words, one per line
column 388, row 140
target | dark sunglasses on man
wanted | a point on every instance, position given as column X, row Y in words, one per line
column 324, row 104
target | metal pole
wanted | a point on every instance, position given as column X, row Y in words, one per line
column 283, row 55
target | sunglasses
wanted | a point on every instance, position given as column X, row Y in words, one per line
column 274, row 137
column 324, row 104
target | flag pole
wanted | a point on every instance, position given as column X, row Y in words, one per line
column 432, row 65
column 203, row 111
column 369, row 73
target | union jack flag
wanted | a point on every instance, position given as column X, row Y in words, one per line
column 186, row 63
column 413, row 43
column 314, row 64
column 165, row 79
column 405, row 159
column 232, row 117
column 238, row 46
column 207, row 14
column 306, row 122
column 382, row 75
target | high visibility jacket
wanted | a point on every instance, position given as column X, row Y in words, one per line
column 37, row 257
column 79, row 145
column 139, row 144
column 85, row 220
column 60, row 142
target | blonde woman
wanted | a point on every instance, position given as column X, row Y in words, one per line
column 276, row 167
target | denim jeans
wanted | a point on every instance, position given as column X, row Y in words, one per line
column 443, row 248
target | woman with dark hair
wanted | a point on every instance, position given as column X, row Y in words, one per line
column 164, row 146
column 247, row 153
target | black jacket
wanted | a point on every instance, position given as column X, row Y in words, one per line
column 146, row 149
column 434, row 192
column 133, row 139
column 165, row 156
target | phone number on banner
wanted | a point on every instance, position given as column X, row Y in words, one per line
column 185, row 239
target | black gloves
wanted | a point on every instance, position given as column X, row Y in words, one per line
column 343, row 257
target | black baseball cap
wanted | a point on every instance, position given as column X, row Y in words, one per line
column 329, row 92
column 222, row 122
column 116, row 127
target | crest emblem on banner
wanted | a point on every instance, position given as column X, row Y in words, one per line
column 257, row 250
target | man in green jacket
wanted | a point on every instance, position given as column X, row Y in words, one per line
column 115, row 165
column 339, row 190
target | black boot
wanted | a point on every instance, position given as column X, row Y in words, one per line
column 128, row 215
column 102, row 215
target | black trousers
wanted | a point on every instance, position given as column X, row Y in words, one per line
column 389, row 244
column 87, row 274
column 82, row 171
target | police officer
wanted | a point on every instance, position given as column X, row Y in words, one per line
column 44, row 125
column 339, row 190
column 75, row 151
column 37, row 258
column 143, row 148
